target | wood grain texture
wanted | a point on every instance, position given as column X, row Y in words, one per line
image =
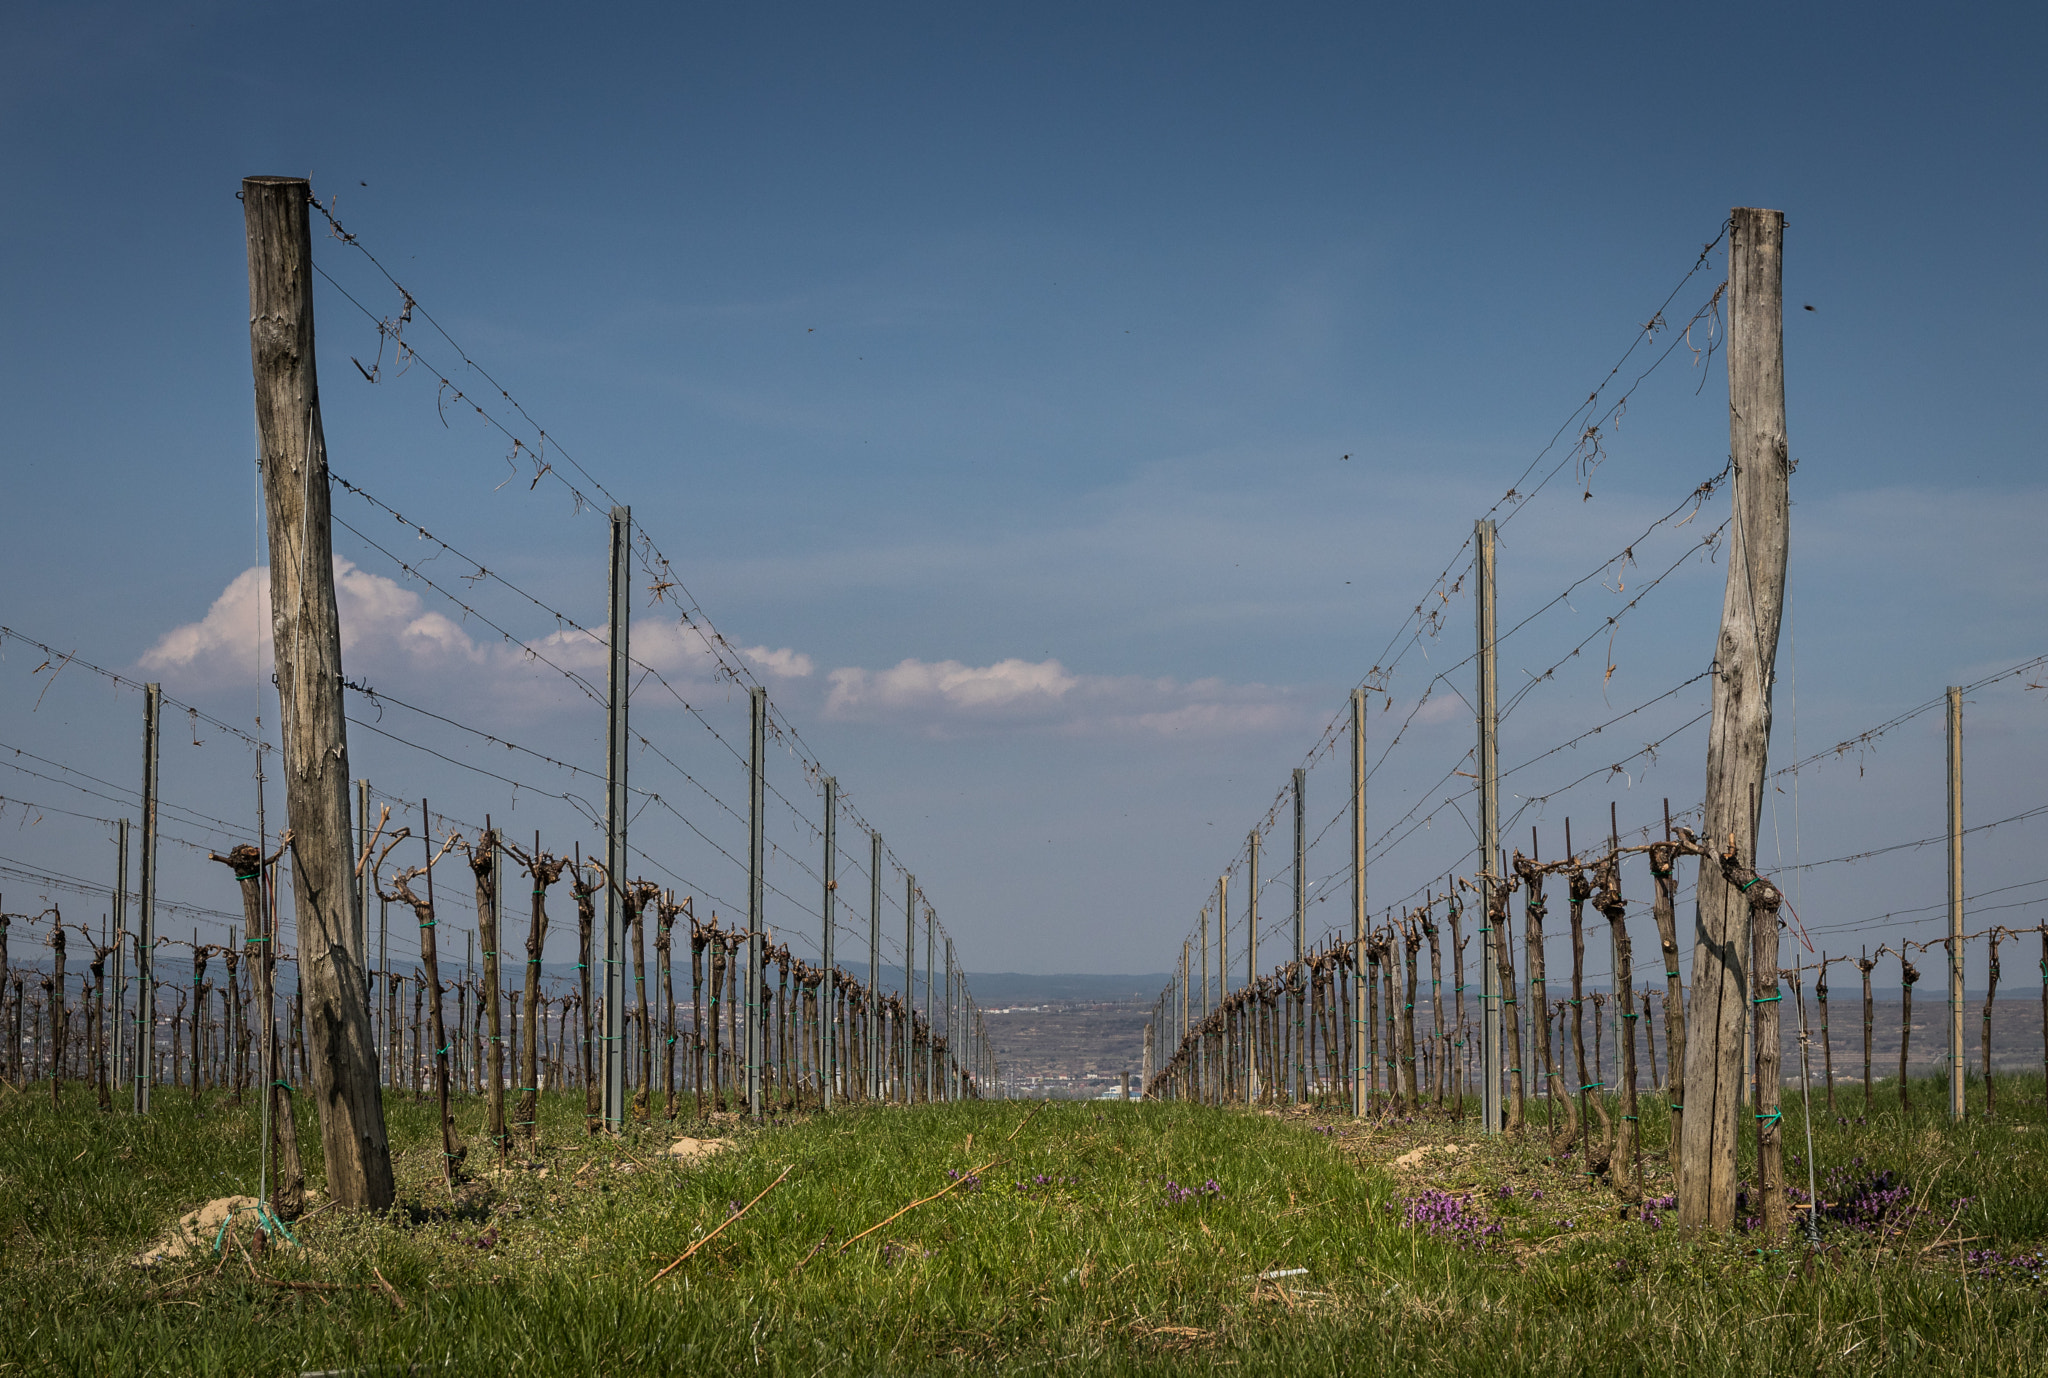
column 306, row 631
column 1738, row 745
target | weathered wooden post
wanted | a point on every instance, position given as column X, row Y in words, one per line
column 145, row 931
column 1955, row 907
column 618, row 690
column 1252, row 1088
column 430, row 986
column 544, row 870
column 828, row 1045
column 1990, row 995
column 1358, row 909
column 1488, row 785
column 1739, row 738
column 306, row 638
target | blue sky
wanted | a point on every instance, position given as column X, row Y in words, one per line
column 1078, row 399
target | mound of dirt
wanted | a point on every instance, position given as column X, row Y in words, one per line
column 197, row 1230
column 689, row 1150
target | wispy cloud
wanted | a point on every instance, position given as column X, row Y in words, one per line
column 949, row 698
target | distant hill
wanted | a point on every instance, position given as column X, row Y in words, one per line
column 995, row 989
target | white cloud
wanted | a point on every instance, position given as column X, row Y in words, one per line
column 232, row 641
column 779, row 664
column 947, row 697
column 387, row 630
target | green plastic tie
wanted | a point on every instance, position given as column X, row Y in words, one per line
column 1767, row 999
column 1752, row 880
column 1591, row 1085
column 1678, row 1107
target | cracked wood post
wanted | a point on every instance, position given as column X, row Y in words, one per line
column 306, row 635
column 1739, row 738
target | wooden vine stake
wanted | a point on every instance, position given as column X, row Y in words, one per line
column 1864, row 964
column 483, row 864
column 248, row 866
column 1663, row 907
column 1764, row 900
column 1990, row 994
column 1579, row 889
column 452, row 1151
column 306, row 637
column 1738, row 743
column 1909, row 976
column 544, row 870
column 1529, row 876
column 1621, row 1164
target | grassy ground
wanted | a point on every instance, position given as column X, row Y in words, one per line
column 1104, row 1237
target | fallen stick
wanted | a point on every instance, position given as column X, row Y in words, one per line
column 721, row 1229
column 389, row 1290
column 967, row 1176
column 1028, row 1119
column 315, row 1286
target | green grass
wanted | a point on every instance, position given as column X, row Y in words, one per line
column 1094, row 1271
